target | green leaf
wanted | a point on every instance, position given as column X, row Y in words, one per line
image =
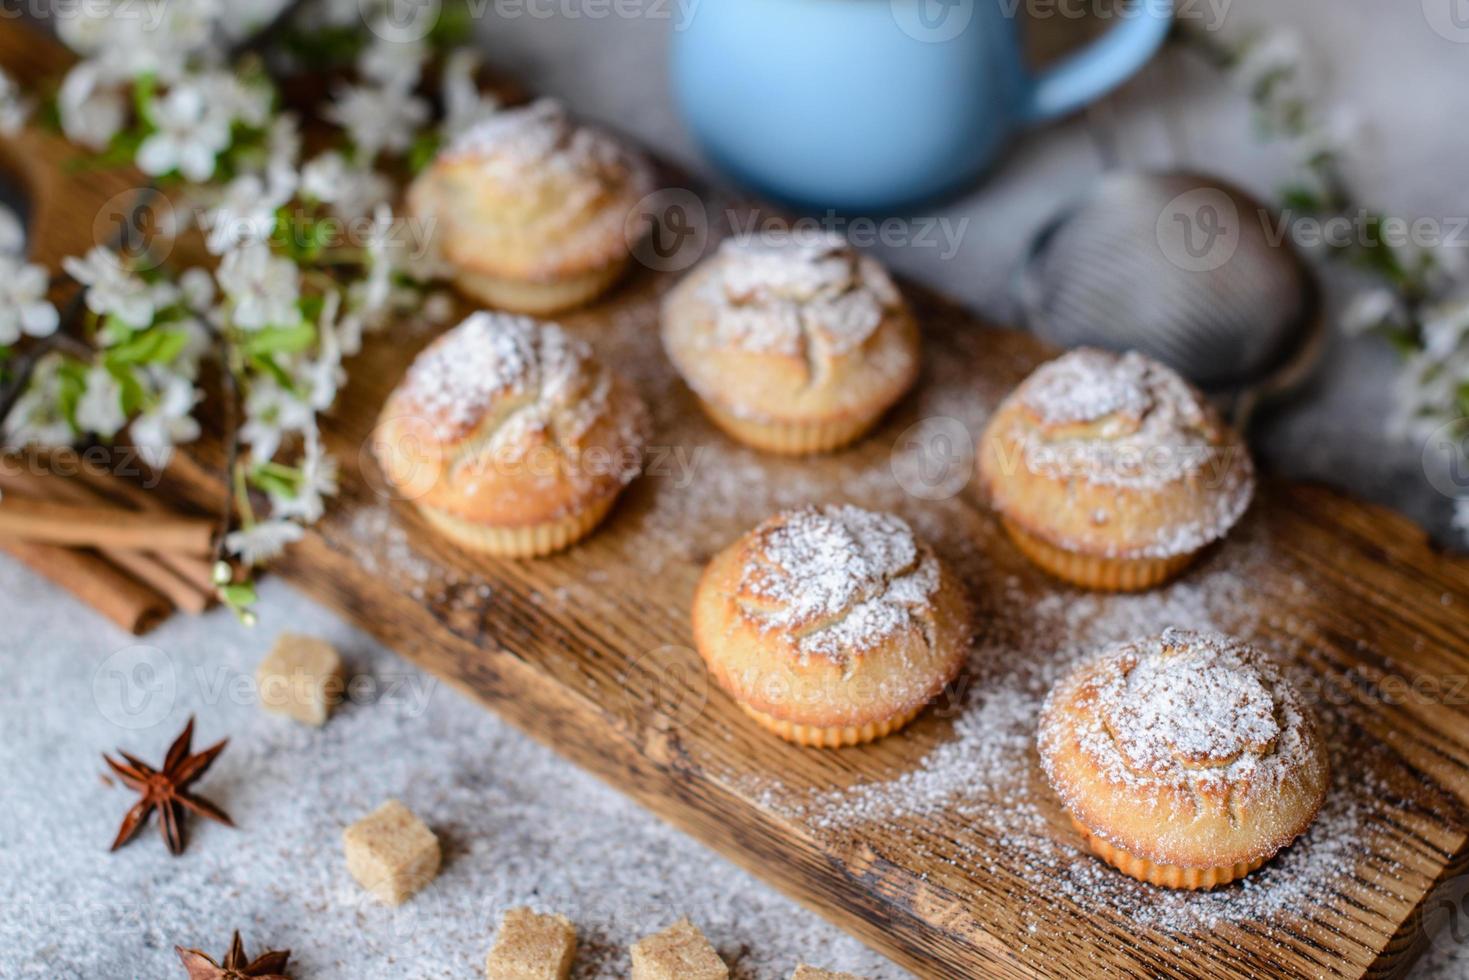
column 156, row 346
column 240, row 595
column 145, row 87
column 425, row 147
column 133, row 395
column 280, row 340
column 275, row 479
column 71, row 378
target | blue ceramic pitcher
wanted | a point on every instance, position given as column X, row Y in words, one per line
column 873, row 104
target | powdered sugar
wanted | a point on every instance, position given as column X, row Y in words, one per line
column 493, row 356
column 779, row 293
column 1121, row 420
column 986, row 773
column 537, row 137
column 1187, row 706
column 841, row 578
column 1089, row 385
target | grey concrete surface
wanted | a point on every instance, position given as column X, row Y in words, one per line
column 520, row 825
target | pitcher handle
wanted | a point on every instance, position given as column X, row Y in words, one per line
column 1102, row 65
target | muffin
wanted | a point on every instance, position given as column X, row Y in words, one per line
column 509, row 437
column 793, row 343
column 530, row 211
column 1111, row 472
column 831, row 626
column 1185, row 760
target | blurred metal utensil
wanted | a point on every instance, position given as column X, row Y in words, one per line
column 1185, row 268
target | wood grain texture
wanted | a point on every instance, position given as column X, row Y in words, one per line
column 590, row 653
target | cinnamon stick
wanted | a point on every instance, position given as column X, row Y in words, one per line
column 186, row 581
column 103, row 527
column 125, row 601
column 197, row 570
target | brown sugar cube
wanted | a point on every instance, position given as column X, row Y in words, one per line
column 804, row 972
column 391, row 853
column 532, row 947
column 302, row 677
column 679, row 952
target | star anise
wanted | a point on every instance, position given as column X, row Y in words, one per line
column 266, row 966
column 167, row 790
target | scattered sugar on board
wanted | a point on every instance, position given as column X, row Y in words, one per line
column 987, row 772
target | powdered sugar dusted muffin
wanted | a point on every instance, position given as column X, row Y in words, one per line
column 1112, row 472
column 794, row 343
column 831, row 625
column 530, row 210
column 1185, row 759
column 510, row 437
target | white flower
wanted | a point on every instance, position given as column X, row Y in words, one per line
column 283, row 149
column 325, row 375
column 236, row 98
column 263, row 289
column 376, row 288
column 1372, row 308
column 377, row 119
column 393, row 63
column 1275, row 53
column 333, row 13
column 131, row 38
column 351, row 191
column 245, row 214
column 464, row 105
column 14, row 110
column 99, row 409
column 36, row 418
column 169, row 422
column 318, row 480
column 112, row 289
column 438, row 308
column 263, row 541
column 92, row 108
column 239, row 19
column 196, row 289
column 272, row 412
column 1445, row 328
column 23, row 305
column 12, row 235
column 191, row 135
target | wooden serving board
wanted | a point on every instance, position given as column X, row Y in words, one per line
column 942, row 846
